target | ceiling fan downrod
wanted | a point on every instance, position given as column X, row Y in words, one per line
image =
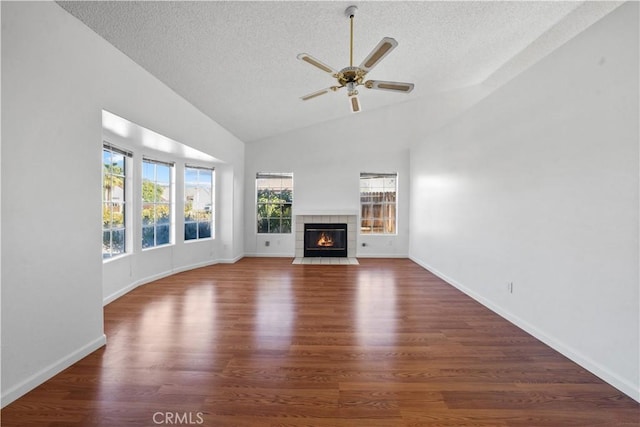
column 351, row 13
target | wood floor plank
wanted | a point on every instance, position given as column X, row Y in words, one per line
column 265, row 343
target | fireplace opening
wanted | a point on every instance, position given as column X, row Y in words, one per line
column 325, row 240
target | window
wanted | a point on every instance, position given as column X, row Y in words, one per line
column 113, row 201
column 378, row 203
column 198, row 203
column 274, row 202
column 156, row 203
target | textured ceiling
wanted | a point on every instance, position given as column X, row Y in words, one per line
column 236, row 60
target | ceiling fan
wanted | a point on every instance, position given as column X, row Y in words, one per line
column 351, row 77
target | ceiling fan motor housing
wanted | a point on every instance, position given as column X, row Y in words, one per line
column 351, row 75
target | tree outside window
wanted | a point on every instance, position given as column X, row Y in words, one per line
column 274, row 202
column 113, row 202
column 156, row 203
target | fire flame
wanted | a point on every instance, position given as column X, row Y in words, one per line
column 325, row 240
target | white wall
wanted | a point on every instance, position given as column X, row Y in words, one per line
column 57, row 77
column 538, row 185
column 326, row 161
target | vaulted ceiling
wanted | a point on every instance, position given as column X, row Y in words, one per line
column 236, row 60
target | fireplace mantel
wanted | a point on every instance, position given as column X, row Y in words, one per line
column 331, row 212
column 329, row 217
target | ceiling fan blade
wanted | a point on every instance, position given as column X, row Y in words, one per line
column 354, row 104
column 316, row 63
column 319, row 92
column 392, row 86
column 386, row 45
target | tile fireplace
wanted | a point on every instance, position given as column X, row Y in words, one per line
column 347, row 221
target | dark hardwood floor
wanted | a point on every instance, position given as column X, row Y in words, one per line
column 266, row 343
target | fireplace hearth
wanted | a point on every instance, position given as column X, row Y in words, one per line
column 325, row 240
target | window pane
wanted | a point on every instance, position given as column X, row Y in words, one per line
column 163, row 214
column 204, row 230
column 274, row 199
column 191, row 176
column 263, row 226
column 274, row 226
column 107, row 184
column 113, row 206
column 286, row 211
column 106, row 215
column 117, row 163
column 156, row 207
column 106, row 244
column 378, row 203
column 199, row 202
column 106, row 157
column 203, row 216
column 162, row 234
column 148, row 214
column 205, row 176
column 189, row 213
column 117, row 241
column 190, row 230
column 148, row 171
column 148, row 236
column 163, row 174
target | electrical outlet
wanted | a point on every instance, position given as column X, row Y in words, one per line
column 510, row 287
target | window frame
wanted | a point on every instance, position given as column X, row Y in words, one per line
column 155, row 224
column 280, row 205
column 124, row 204
column 211, row 204
column 388, row 223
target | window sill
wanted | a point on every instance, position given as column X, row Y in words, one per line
column 204, row 239
column 115, row 258
column 166, row 245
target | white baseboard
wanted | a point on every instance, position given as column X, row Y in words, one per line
column 271, row 255
column 114, row 296
column 121, row 292
column 382, row 255
column 231, row 260
column 58, row 366
column 193, row 266
column 595, row 368
column 287, row 255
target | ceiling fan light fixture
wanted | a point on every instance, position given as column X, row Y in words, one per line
column 351, row 89
column 354, row 103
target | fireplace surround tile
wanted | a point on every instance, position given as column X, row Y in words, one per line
column 349, row 219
